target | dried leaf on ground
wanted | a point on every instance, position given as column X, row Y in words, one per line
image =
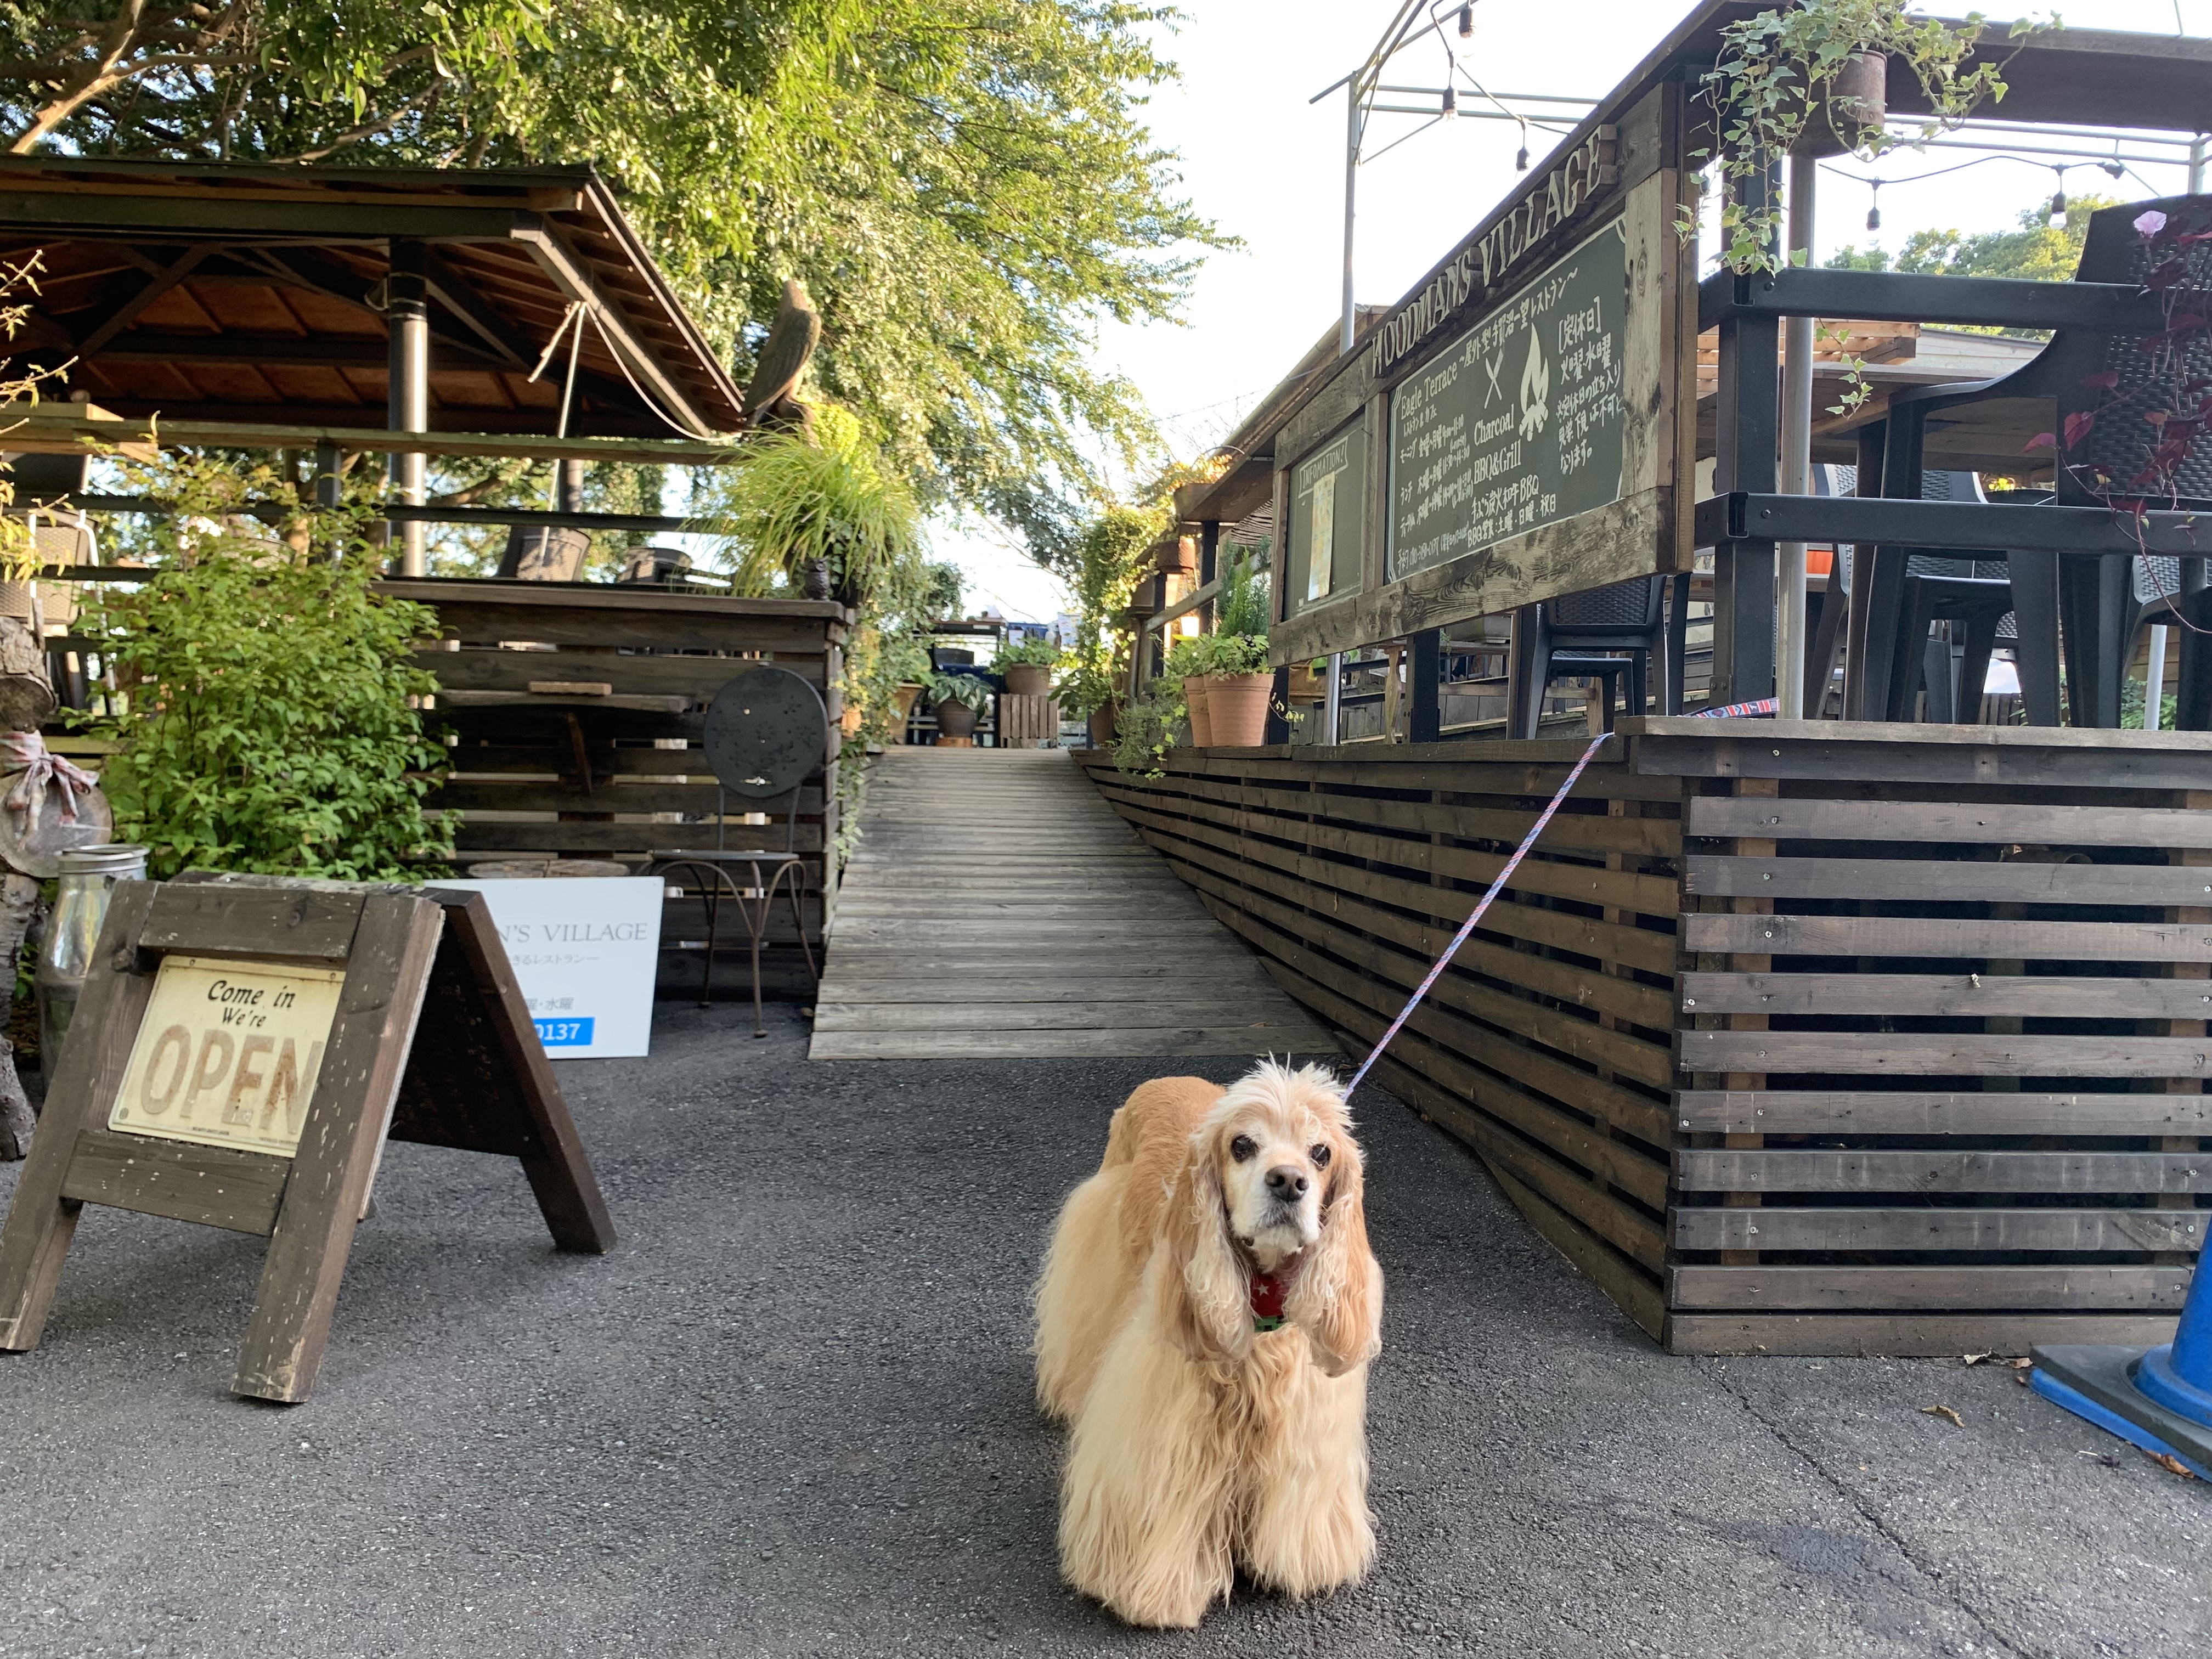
column 1944, row 1412
column 1973, row 1358
column 2021, row 1365
column 2172, row 1465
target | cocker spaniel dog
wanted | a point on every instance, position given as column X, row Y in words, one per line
column 1205, row 1318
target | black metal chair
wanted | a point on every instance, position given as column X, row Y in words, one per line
column 1557, row 638
column 2093, row 610
column 769, row 873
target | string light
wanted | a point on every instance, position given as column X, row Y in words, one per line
column 1467, row 22
column 2056, row 219
column 1521, row 160
column 1451, row 101
column 1873, row 212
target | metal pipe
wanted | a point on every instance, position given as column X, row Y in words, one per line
column 407, row 327
column 1347, row 325
column 1797, row 473
column 2154, row 691
column 1332, row 707
column 2196, row 165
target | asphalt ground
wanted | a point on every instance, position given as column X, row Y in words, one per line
column 790, row 1416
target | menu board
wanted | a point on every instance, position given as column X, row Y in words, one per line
column 1518, row 424
column 1329, row 494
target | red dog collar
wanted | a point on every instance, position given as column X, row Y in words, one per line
column 1268, row 1290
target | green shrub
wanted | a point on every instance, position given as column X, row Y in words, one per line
column 1028, row 653
column 265, row 724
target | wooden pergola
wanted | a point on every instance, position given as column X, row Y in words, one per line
column 407, row 311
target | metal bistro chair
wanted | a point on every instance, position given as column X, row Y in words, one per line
column 2093, row 599
column 1555, row 638
column 767, row 734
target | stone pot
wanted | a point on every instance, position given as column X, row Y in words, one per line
column 955, row 720
column 1857, row 100
column 1196, row 698
column 1238, row 705
column 1105, row 723
column 1029, row 680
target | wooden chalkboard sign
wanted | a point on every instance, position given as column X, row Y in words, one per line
column 243, row 1048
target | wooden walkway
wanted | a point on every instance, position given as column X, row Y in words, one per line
column 998, row 908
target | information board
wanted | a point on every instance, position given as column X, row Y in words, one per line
column 1518, row 424
column 584, row 950
column 1328, row 496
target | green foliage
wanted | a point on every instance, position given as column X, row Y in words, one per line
column 1150, row 727
column 1239, row 653
column 1190, row 656
column 1776, row 68
column 1242, row 608
column 787, row 502
column 1109, row 562
column 963, row 688
column 1030, row 653
column 268, row 726
column 964, row 186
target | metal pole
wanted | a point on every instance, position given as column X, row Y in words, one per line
column 1796, row 477
column 1346, row 322
column 407, row 326
column 2196, row 165
column 2154, row 689
column 1332, row 707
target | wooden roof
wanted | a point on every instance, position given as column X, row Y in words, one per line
column 250, row 293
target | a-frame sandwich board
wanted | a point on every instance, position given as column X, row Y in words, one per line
column 193, row 1086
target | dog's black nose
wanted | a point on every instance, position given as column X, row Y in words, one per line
column 1287, row 1182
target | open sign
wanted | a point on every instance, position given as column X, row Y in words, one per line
column 227, row 1053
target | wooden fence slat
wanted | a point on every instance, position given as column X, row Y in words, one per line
column 1794, row 1169
column 1894, row 936
column 1948, row 995
column 1838, row 1228
column 1919, row 1112
column 2018, row 822
column 1898, row 1054
column 1946, row 881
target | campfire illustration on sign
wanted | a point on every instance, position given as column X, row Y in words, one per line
column 1536, row 389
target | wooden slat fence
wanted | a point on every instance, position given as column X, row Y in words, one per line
column 1801, row 1038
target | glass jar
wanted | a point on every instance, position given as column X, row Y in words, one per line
column 87, row 879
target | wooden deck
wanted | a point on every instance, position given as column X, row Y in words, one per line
column 999, row 908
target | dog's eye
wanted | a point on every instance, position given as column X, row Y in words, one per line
column 1319, row 1156
column 1242, row 1148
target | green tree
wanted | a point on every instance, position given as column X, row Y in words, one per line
column 964, row 185
column 267, row 721
column 2039, row 251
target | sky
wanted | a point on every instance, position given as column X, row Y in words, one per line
column 1267, row 167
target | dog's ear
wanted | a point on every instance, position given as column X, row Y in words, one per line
column 1337, row 1298
column 1205, row 1299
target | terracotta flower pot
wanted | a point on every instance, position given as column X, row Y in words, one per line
column 1105, row 722
column 955, row 720
column 1196, row 699
column 1029, row 680
column 1238, row 705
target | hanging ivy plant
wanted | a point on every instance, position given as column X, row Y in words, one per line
column 1776, row 87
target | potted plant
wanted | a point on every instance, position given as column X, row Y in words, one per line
column 958, row 700
column 1239, row 681
column 1028, row 667
column 1090, row 690
column 1191, row 660
column 1809, row 80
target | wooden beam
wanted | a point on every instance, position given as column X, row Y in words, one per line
column 121, row 317
column 43, row 432
column 573, row 278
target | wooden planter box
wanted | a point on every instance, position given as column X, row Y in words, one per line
column 586, row 776
column 1803, row 1038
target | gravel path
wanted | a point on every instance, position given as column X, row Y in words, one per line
column 790, row 1416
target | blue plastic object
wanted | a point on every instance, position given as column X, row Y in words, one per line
column 2179, row 1375
column 2158, row 1399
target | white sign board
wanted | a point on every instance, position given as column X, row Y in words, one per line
column 586, row 949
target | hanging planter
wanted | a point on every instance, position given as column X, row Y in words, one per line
column 1850, row 114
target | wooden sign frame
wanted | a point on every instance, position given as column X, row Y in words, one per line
column 432, row 1042
column 1638, row 192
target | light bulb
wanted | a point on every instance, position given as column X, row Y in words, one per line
column 2058, row 210
column 1451, row 101
column 1874, row 218
column 1467, row 22
column 2112, row 168
column 1521, row 160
